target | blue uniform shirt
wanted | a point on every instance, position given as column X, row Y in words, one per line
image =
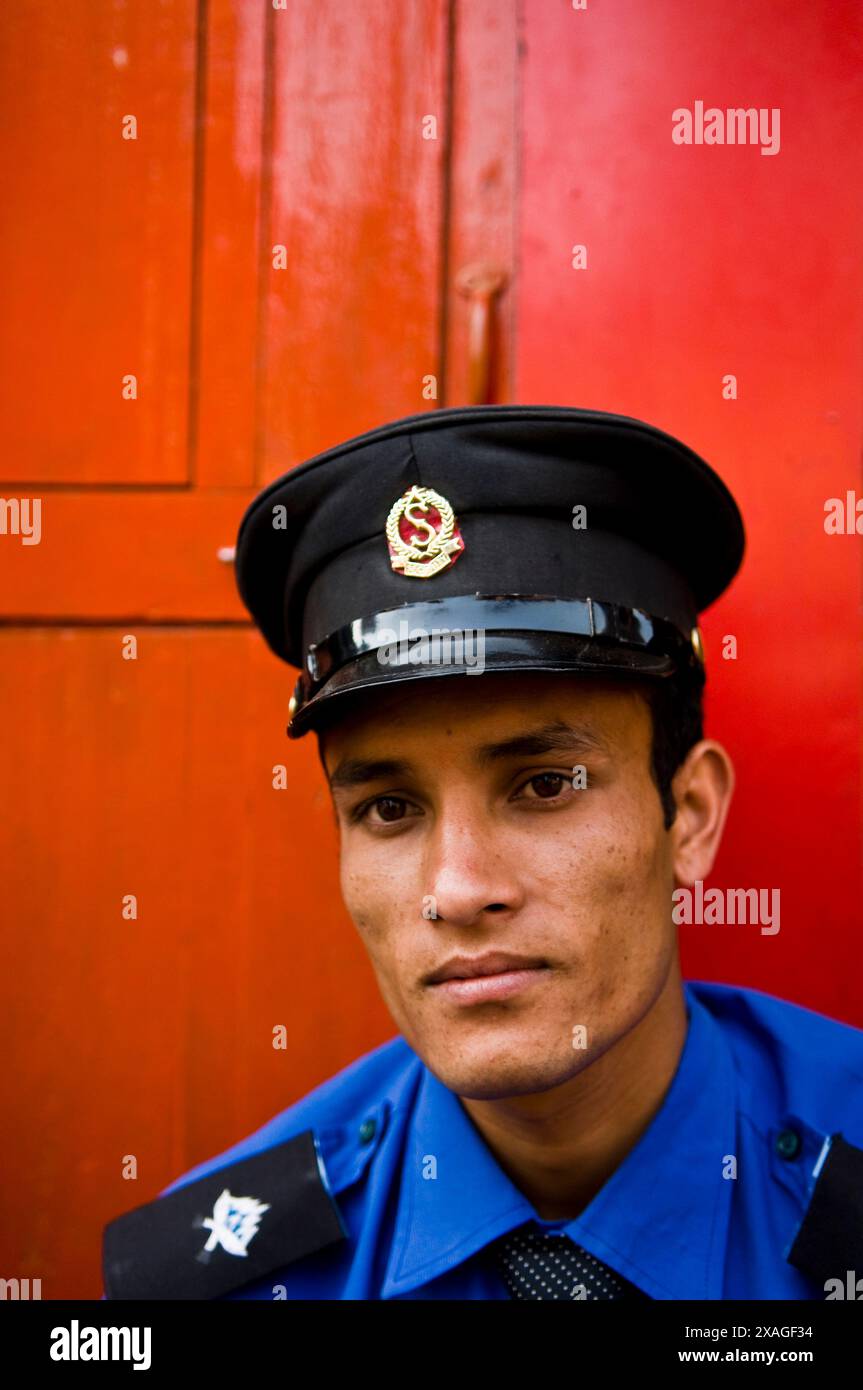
column 760, row 1087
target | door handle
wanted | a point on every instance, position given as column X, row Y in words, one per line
column 480, row 284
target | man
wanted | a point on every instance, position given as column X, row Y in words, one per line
column 495, row 613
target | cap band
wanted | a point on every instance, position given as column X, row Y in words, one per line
column 589, row 618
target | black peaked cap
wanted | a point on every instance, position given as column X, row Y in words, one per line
column 464, row 519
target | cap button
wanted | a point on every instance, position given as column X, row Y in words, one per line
column 788, row 1144
column 367, row 1131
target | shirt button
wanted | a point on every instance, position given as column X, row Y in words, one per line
column 367, row 1131
column 788, row 1144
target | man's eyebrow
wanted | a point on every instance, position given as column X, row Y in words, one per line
column 547, row 738
column 355, row 772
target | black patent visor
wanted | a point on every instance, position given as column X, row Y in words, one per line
column 611, row 625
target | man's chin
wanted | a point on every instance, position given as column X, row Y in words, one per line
column 488, row 1073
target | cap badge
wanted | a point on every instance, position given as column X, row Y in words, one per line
column 422, row 535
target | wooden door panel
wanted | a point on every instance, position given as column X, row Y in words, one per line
column 232, row 260
column 96, row 256
column 103, row 556
column 353, row 320
column 483, row 196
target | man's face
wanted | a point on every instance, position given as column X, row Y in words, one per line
column 456, row 796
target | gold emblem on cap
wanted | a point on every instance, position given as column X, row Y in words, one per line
column 697, row 644
column 438, row 543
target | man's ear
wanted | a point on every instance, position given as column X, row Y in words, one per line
column 702, row 787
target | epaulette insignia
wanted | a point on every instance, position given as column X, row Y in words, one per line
column 229, row 1228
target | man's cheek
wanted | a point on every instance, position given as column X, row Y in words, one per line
column 619, row 917
column 359, row 893
column 631, row 859
column 372, row 916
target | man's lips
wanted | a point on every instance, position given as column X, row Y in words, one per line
column 493, row 963
column 498, row 975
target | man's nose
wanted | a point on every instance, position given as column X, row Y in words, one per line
column 467, row 869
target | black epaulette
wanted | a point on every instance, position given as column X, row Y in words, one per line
column 829, row 1242
column 229, row 1228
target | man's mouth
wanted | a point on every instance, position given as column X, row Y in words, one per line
column 477, row 979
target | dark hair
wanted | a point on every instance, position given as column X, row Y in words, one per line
column 676, row 706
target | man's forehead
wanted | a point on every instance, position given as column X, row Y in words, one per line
column 511, row 717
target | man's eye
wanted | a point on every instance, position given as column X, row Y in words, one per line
column 387, row 809
column 546, row 786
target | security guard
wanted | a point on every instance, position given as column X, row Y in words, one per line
column 560, row 1115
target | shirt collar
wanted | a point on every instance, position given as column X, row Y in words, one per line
column 661, row 1219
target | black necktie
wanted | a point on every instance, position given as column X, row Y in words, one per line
column 545, row 1264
